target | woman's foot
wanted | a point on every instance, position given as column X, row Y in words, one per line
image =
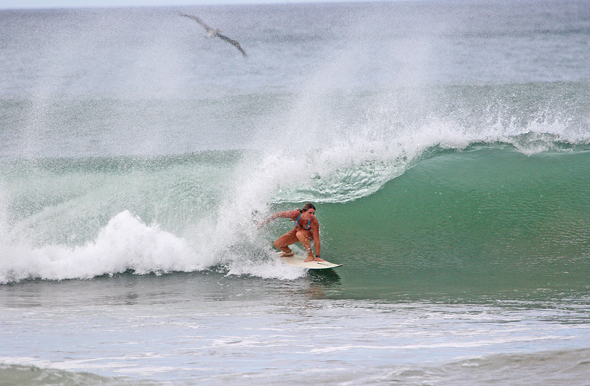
column 288, row 254
column 313, row 258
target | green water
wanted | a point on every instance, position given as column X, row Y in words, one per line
column 488, row 220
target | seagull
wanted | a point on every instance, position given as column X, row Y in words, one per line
column 211, row 33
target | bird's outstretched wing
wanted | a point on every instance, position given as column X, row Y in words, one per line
column 215, row 32
column 195, row 18
column 232, row 42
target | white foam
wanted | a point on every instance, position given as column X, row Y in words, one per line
column 124, row 243
column 272, row 268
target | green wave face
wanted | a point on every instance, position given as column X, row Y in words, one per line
column 489, row 220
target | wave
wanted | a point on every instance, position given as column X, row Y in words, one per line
column 544, row 367
column 89, row 218
column 30, row 375
column 83, row 216
column 549, row 367
column 484, row 202
column 125, row 243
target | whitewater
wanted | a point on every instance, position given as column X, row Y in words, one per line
column 446, row 146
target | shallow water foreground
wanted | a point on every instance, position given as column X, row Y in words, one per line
column 188, row 329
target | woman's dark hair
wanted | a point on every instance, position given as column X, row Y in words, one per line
column 307, row 207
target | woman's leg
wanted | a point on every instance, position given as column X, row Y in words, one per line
column 304, row 238
column 285, row 240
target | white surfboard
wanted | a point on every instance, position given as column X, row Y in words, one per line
column 298, row 261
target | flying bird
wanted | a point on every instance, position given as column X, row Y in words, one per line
column 211, row 33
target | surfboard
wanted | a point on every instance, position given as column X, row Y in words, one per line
column 298, row 261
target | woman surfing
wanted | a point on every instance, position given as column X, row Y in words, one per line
column 306, row 228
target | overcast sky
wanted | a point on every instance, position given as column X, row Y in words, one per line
column 5, row 4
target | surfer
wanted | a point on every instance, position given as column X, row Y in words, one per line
column 306, row 228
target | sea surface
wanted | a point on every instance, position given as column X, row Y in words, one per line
column 445, row 144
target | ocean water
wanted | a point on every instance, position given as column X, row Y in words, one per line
column 445, row 144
